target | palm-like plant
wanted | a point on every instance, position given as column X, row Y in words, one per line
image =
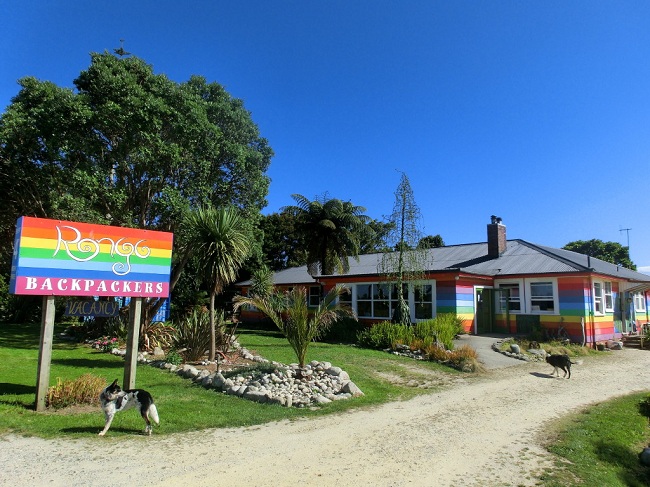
column 298, row 323
column 221, row 242
column 332, row 230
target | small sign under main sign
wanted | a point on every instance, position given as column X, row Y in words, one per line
column 103, row 309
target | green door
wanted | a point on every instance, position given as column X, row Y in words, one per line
column 484, row 310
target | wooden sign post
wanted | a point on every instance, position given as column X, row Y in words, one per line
column 45, row 353
column 131, row 358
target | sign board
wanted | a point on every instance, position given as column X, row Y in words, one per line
column 91, row 307
column 61, row 258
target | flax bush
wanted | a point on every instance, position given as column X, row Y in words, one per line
column 192, row 334
column 443, row 328
column 83, row 390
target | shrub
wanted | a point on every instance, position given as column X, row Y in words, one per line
column 344, row 330
column 385, row 335
column 443, row 328
column 156, row 334
column 173, row 357
column 192, row 333
column 83, row 390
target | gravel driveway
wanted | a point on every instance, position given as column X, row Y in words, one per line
column 479, row 432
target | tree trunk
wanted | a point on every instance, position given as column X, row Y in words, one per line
column 213, row 334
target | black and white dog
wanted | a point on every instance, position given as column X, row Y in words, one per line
column 560, row 362
column 114, row 400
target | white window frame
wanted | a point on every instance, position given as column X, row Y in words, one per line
column 598, row 293
column 608, row 291
column 520, row 299
column 529, row 296
column 639, row 302
column 410, row 299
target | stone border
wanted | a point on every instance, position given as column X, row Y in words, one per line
column 286, row 385
column 533, row 355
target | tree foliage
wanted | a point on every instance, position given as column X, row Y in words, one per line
column 331, row 230
column 128, row 147
column 612, row 252
column 431, row 242
column 285, row 245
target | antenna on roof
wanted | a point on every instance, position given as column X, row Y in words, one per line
column 627, row 230
column 121, row 52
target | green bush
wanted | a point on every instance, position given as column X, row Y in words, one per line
column 443, row 328
column 385, row 335
column 344, row 330
column 192, row 333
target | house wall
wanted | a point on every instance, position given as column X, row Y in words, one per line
column 575, row 310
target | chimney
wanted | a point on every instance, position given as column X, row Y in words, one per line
column 496, row 238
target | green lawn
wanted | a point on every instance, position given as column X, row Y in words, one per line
column 176, row 397
column 600, row 446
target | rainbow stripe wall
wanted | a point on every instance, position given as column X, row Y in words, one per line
column 54, row 257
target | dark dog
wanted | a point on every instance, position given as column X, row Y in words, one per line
column 560, row 362
column 114, row 400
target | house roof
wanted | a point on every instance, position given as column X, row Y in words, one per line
column 520, row 257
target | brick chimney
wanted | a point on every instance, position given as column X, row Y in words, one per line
column 496, row 237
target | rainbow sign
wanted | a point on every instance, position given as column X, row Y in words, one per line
column 54, row 257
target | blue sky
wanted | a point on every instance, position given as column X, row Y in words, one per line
column 538, row 112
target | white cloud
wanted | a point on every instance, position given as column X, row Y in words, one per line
column 645, row 269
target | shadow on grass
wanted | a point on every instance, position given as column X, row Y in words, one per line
column 88, row 363
column 626, row 461
column 8, row 388
column 269, row 333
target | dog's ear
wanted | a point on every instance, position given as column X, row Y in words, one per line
column 114, row 383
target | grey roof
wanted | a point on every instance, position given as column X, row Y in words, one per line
column 520, row 257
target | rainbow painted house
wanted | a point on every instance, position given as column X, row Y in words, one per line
column 501, row 286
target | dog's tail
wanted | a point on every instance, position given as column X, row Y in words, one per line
column 152, row 412
column 577, row 362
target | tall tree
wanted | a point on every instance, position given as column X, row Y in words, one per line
column 406, row 263
column 128, row 147
column 222, row 242
column 612, row 252
column 331, row 229
column 284, row 245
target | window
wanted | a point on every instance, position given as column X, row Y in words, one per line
column 314, row 296
column 598, row 298
column 423, row 297
column 346, row 296
column 509, row 298
column 380, row 300
column 542, row 297
column 639, row 302
column 609, row 297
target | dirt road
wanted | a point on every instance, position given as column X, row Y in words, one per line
column 480, row 432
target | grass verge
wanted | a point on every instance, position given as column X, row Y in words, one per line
column 182, row 405
column 600, row 446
